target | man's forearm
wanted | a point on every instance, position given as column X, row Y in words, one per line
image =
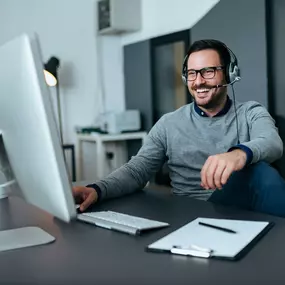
column 135, row 174
column 120, row 182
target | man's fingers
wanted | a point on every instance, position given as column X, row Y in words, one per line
column 226, row 174
column 204, row 172
column 88, row 200
column 218, row 168
column 210, row 174
column 77, row 190
column 218, row 174
column 84, row 195
column 77, row 194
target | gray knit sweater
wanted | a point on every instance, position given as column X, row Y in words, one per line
column 185, row 139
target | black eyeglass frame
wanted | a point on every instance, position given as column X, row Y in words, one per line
column 203, row 70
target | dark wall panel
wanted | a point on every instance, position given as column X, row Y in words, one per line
column 241, row 25
column 138, row 87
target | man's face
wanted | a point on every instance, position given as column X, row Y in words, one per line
column 199, row 88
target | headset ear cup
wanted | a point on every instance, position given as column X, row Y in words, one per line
column 233, row 72
column 228, row 73
column 184, row 70
column 184, row 79
column 236, row 72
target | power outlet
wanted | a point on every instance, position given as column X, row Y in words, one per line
column 109, row 155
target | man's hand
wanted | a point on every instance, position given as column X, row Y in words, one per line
column 218, row 168
column 85, row 196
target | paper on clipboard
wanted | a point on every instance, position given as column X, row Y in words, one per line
column 218, row 243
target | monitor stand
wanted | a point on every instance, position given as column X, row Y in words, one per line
column 23, row 237
column 20, row 237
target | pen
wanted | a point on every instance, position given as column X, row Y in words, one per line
column 217, row 228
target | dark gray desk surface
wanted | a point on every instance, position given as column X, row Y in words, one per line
column 84, row 254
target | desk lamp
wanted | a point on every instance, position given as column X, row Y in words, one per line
column 51, row 77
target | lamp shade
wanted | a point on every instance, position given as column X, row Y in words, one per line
column 50, row 71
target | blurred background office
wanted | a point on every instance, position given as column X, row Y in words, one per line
column 105, row 72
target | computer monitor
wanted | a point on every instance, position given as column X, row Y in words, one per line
column 30, row 134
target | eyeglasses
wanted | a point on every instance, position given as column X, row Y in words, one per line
column 206, row 72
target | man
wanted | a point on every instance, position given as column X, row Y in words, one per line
column 214, row 151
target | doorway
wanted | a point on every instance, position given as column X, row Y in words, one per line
column 168, row 91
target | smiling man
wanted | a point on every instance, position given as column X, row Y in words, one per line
column 203, row 78
column 215, row 150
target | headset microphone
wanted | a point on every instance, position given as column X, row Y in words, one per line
column 219, row 85
column 225, row 85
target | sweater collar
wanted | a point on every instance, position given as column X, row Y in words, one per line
column 221, row 113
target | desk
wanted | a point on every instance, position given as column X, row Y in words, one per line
column 100, row 140
column 85, row 254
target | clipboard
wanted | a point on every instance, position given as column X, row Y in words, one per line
column 231, row 242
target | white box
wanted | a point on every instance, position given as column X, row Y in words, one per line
column 118, row 16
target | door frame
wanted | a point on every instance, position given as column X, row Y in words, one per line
column 181, row 36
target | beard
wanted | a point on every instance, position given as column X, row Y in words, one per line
column 215, row 99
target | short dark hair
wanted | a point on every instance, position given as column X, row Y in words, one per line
column 216, row 45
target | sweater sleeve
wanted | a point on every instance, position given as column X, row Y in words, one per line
column 265, row 142
column 135, row 174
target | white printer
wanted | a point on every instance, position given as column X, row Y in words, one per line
column 118, row 122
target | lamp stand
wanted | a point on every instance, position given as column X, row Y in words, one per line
column 59, row 112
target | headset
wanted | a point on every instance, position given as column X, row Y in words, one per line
column 232, row 71
column 232, row 75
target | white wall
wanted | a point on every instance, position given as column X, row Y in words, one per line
column 67, row 29
column 161, row 17
column 111, row 54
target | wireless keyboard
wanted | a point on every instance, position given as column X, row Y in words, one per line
column 120, row 222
